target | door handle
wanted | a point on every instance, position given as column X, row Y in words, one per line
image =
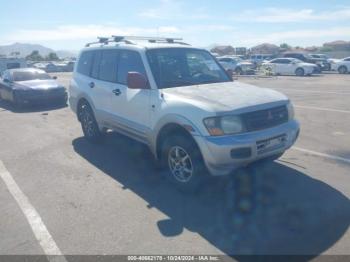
column 117, row 92
column 91, row 84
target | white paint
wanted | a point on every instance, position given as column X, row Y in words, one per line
column 323, row 109
column 39, row 229
column 338, row 133
column 338, row 158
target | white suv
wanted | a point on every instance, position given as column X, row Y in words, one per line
column 181, row 103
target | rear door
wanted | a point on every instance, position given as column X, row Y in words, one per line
column 104, row 81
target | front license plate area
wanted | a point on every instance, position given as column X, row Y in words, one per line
column 271, row 144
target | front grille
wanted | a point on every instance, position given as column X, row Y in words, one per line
column 51, row 92
column 264, row 119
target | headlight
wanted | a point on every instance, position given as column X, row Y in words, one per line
column 225, row 125
column 290, row 109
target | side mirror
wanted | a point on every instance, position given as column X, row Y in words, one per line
column 136, row 80
column 54, row 77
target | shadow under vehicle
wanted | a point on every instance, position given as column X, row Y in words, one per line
column 265, row 209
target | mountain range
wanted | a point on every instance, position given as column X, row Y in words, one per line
column 25, row 49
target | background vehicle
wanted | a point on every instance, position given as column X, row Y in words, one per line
column 236, row 64
column 342, row 66
column 180, row 102
column 320, row 62
column 27, row 86
column 9, row 63
column 289, row 66
column 258, row 59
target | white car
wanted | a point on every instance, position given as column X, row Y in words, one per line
column 289, row 66
column 181, row 103
column 236, row 64
column 342, row 66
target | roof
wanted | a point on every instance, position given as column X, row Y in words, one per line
column 137, row 46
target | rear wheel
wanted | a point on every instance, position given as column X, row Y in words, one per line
column 299, row 72
column 342, row 70
column 88, row 123
column 183, row 163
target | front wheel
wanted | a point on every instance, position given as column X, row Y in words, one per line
column 184, row 163
column 342, row 70
column 299, row 72
column 88, row 123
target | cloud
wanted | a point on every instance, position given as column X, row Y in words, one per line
column 295, row 37
column 78, row 32
column 278, row 15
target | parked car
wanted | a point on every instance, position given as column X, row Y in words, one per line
column 10, row 63
column 320, row 62
column 329, row 60
column 28, row 86
column 236, row 64
column 258, row 59
column 289, row 66
column 342, row 66
column 181, row 103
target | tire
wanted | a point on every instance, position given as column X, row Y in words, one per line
column 238, row 71
column 88, row 124
column 342, row 70
column 18, row 104
column 327, row 67
column 299, row 72
column 179, row 154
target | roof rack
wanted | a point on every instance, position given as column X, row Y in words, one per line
column 126, row 39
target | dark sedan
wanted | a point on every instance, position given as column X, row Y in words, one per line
column 30, row 86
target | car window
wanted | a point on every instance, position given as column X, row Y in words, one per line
column 173, row 67
column 347, row 59
column 129, row 61
column 275, row 61
column 85, row 62
column 13, row 65
column 225, row 60
column 108, row 66
column 96, row 64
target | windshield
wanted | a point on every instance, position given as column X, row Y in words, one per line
column 26, row 76
column 173, row 67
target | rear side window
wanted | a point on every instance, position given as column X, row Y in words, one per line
column 85, row 62
column 109, row 66
column 13, row 65
column 129, row 61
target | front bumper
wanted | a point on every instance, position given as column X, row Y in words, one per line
column 40, row 98
column 224, row 154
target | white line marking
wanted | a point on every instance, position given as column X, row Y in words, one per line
column 310, row 91
column 323, row 109
column 346, row 160
column 39, row 229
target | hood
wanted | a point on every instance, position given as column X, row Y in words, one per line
column 227, row 96
column 37, row 84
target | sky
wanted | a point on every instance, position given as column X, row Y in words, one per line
column 68, row 25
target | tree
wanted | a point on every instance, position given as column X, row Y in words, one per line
column 34, row 56
column 285, row 46
column 52, row 57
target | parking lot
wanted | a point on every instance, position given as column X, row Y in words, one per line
column 109, row 199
